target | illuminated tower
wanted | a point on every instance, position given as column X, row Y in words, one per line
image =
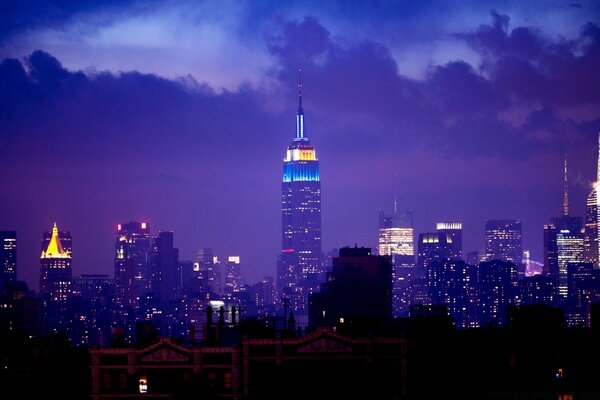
column 8, row 258
column 299, row 269
column 563, row 242
column 590, row 239
column 55, row 263
column 133, row 261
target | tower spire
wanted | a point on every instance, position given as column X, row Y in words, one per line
column 566, row 188
column 300, row 114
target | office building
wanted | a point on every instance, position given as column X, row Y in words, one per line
column 165, row 267
column 8, row 258
column 433, row 246
column 504, row 242
column 133, row 264
column 233, row 276
column 454, row 230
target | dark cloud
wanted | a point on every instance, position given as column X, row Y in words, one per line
column 534, row 68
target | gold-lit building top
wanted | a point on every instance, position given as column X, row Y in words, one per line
column 55, row 249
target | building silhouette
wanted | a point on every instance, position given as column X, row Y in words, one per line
column 299, row 266
column 8, row 258
column 358, row 290
column 165, row 267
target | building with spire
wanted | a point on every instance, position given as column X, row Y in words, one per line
column 299, row 266
column 563, row 242
column 55, row 265
column 590, row 236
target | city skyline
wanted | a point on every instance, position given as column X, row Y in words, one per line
column 466, row 130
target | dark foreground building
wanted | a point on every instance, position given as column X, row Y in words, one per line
column 322, row 364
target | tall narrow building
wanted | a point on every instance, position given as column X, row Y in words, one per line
column 8, row 258
column 55, row 265
column 299, row 267
column 133, row 264
column 590, row 237
column 563, row 242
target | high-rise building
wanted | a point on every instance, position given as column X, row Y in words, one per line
column 133, row 264
column 210, row 271
column 453, row 283
column 359, row 287
column 563, row 242
column 570, row 250
column 498, row 286
column 396, row 240
column 233, row 277
column 299, row 267
column 433, row 246
column 55, row 261
column 454, row 229
column 165, row 267
column 504, row 242
column 590, row 238
column 8, row 258
column 396, row 237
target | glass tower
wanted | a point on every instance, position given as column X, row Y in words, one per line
column 299, row 269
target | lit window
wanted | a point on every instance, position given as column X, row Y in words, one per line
column 143, row 385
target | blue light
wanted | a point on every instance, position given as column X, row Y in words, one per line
column 301, row 171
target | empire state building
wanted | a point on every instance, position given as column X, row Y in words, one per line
column 299, row 270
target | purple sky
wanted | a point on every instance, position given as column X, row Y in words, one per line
column 179, row 114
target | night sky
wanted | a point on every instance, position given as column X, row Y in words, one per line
column 179, row 114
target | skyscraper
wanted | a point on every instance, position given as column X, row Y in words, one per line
column 55, row 263
column 590, row 237
column 8, row 258
column 210, row 272
column 396, row 240
column 504, row 241
column 563, row 242
column 454, row 229
column 233, row 277
column 133, row 262
column 165, row 267
column 396, row 237
column 434, row 246
column 299, row 268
